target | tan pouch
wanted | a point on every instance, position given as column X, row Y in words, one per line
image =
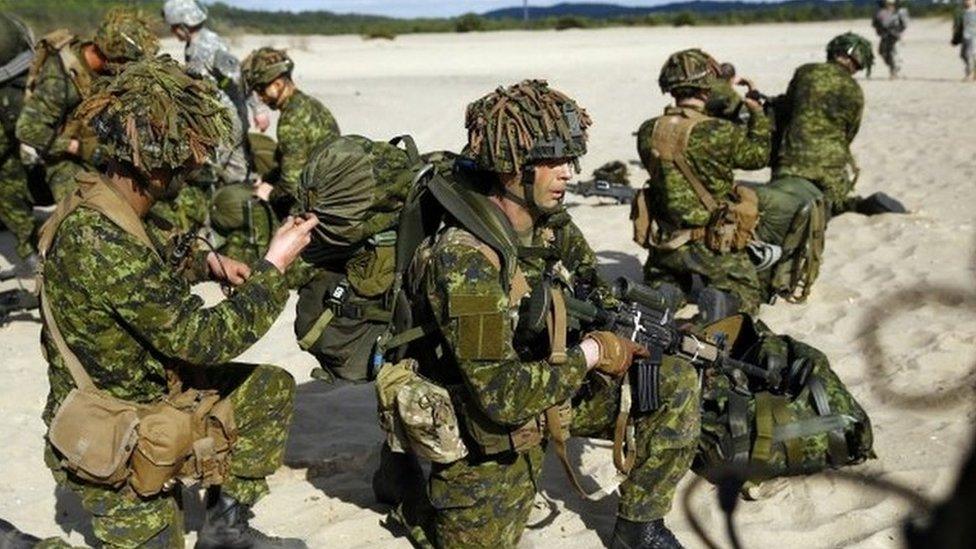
column 389, row 380
column 165, row 441
column 640, row 217
column 733, row 224
column 95, row 433
column 214, row 434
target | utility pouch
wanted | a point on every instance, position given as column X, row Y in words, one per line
column 493, row 438
column 417, row 414
column 640, row 218
column 733, row 224
column 95, row 435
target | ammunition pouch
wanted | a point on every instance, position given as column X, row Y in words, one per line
column 733, row 224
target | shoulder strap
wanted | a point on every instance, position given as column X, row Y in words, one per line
column 76, row 70
column 669, row 141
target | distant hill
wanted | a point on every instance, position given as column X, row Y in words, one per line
column 613, row 11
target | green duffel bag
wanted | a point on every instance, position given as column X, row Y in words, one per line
column 793, row 214
column 808, row 422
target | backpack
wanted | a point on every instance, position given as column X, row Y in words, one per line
column 806, row 423
column 358, row 199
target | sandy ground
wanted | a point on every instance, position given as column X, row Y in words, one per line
column 903, row 282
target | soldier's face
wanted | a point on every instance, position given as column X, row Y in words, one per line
column 180, row 32
column 551, row 178
column 270, row 95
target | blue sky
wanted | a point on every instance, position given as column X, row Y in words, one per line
column 408, row 8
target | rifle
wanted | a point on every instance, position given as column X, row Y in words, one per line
column 646, row 316
column 623, row 194
column 15, row 301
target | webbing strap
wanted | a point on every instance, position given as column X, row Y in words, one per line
column 624, row 450
column 762, row 448
column 556, row 322
column 315, row 332
column 836, row 440
column 781, row 416
column 669, row 141
column 558, row 437
column 81, row 378
column 812, row 426
column 739, row 427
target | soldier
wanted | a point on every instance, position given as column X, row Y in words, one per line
column 207, row 56
column 118, row 313
column 472, row 292
column 304, row 123
column 890, row 22
column 64, row 72
column 822, row 111
column 16, row 202
column 964, row 36
column 697, row 223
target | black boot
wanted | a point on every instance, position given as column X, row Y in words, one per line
column 879, row 203
column 643, row 535
column 12, row 538
column 226, row 527
column 398, row 478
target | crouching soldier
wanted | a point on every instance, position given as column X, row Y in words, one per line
column 511, row 387
column 132, row 352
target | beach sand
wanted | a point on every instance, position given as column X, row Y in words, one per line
column 903, row 284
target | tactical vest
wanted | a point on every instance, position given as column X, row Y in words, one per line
column 59, row 43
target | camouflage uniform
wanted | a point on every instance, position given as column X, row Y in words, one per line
column 890, row 23
column 825, row 105
column 45, row 122
column 716, row 148
column 133, row 322
column 16, row 203
column 964, row 36
column 484, row 501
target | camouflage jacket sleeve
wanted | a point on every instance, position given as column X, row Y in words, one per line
column 750, row 149
column 155, row 303
column 47, row 109
column 304, row 125
column 474, row 314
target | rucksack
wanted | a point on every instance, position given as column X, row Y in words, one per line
column 808, row 422
column 357, row 187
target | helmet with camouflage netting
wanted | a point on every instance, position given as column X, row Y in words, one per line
column 125, row 35
column 522, row 124
column 689, row 69
column 263, row 66
column 153, row 116
column 189, row 13
column 854, row 46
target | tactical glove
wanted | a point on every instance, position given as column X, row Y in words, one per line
column 616, row 353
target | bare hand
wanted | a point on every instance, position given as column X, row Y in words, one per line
column 262, row 121
column 225, row 269
column 263, row 190
column 289, row 241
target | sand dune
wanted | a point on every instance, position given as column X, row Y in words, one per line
column 902, row 282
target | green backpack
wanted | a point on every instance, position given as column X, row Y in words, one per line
column 357, row 188
column 808, row 422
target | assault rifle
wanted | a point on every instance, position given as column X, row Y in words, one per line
column 646, row 316
column 623, row 194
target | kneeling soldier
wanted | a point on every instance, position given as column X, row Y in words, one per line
column 122, row 328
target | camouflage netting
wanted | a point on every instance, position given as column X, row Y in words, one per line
column 126, row 34
column 264, row 65
column 691, row 68
column 515, row 126
column 854, row 46
column 154, row 116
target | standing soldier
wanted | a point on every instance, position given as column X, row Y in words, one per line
column 964, row 36
column 16, row 202
column 64, row 72
column 468, row 283
column 120, row 320
column 890, row 22
column 821, row 115
column 693, row 218
column 304, row 123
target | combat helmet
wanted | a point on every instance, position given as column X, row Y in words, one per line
column 125, row 35
column 691, row 68
column 187, row 13
column 511, row 128
column 153, row 116
column 854, row 46
column 263, row 66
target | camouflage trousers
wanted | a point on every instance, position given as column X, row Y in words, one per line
column 888, row 48
column 17, row 205
column 486, row 502
column 263, row 398
column 731, row 272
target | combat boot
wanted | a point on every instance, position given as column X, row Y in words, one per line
column 12, row 538
column 226, row 527
column 643, row 535
column 398, row 477
column 879, row 203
